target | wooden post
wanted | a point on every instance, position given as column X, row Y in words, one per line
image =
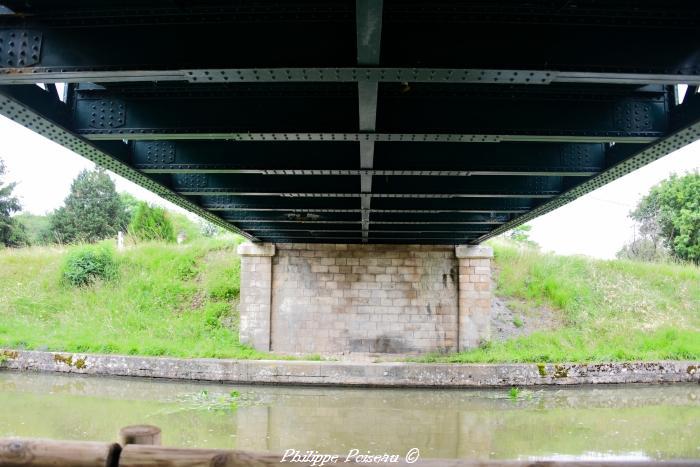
column 16, row 452
column 140, row 434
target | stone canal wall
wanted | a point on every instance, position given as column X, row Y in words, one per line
column 327, row 373
column 330, row 299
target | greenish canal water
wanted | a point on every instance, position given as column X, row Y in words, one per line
column 656, row 422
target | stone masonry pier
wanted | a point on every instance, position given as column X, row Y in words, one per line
column 339, row 298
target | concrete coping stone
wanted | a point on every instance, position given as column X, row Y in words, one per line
column 256, row 249
column 334, row 373
column 473, row 251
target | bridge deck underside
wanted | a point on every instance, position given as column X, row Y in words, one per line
column 358, row 121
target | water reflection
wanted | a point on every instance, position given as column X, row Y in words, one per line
column 614, row 422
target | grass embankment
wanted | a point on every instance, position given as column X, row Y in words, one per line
column 166, row 300
column 181, row 301
column 611, row 310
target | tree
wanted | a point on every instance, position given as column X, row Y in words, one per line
column 92, row 211
column 12, row 232
column 210, row 230
column 643, row 249
column 131, row 203
column 36, row 226
column 151, row 223
column 670, row 214
column 521, row 234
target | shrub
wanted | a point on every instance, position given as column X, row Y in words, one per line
column 151, row 223
column 84, row 265
column 225, row 285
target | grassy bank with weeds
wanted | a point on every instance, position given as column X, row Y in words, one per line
column 176, row 300
column 611, row 310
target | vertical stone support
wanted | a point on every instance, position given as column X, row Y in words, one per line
column 474, row 294
column 256, row 294
column 364, row 298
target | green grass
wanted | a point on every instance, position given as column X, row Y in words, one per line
column 180, row 300
column 168, row 300
column 612, row 310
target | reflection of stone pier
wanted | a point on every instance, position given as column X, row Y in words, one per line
column 253, row 429
column 476, row 434
column 322, row 422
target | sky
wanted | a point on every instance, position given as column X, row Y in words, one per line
column 596, row 224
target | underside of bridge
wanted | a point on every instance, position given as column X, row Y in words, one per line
column 368, row 121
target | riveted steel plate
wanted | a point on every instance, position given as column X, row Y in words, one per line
column 400, row 75
column 633, row 116
column 19, row 48
column 106, row 113
column 160, row 152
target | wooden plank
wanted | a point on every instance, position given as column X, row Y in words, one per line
column 16, row 452
column 134, row 455
column 156, row 456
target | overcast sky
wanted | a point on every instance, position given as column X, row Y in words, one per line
column 596, row 224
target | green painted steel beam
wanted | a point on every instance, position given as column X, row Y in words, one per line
column 405, row 206
column 329, row 113
column 338, row 186
column 612, row 41
column 391, row 159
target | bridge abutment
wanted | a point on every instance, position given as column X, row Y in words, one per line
column 343, row 298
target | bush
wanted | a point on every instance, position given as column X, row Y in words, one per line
column 85, row 265
column 151, row 223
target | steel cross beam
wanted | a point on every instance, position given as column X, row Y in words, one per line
column 369, row 34
column 575, row 42
column 377, row 74
column 403, row 186
column 389, row 159
column 381, row 218
column 309, row 206
column 313, row 113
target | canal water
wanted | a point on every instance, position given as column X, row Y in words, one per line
column 620, row 422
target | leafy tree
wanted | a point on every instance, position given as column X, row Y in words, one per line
column 670, row 214
column 644, row 249
column 92, row 211
column 16, row 235
column 12, row 232
column 131, row 203
column 151, row 223
column 521, row 234
column 37, row 227
column 210, row 230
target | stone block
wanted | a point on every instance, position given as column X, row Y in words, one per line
column 256, row 249
column 473, row 251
